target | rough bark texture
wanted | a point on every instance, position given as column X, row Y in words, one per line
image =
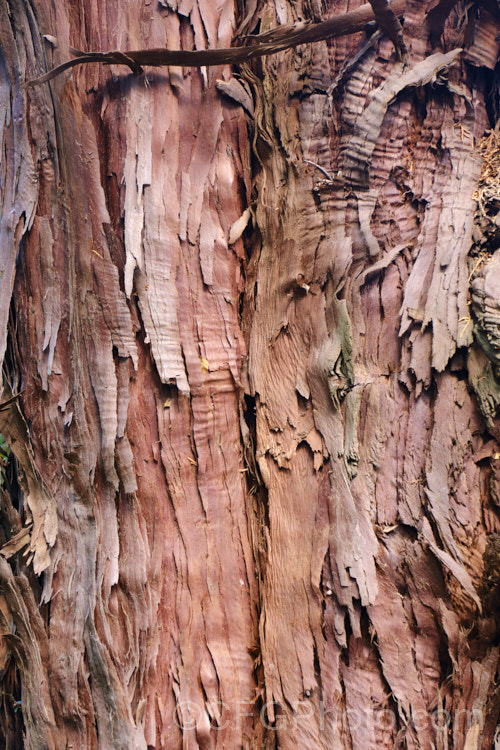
column 258, row 473
column 257, row 45
column 126, row 308
column 371, row 447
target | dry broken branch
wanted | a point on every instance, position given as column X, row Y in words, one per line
column 389, row 23
column 5, row 404
column 269, row 43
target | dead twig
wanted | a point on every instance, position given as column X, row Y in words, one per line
column 5, row 404
column 388, row 22
column 269, row 43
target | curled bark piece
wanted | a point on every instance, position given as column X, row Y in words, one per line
column 235, row 90
column 239, row 226
column 279, row 39
column 361, row 143
column 357, row 154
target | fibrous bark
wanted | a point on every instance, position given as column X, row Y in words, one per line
column 257, row 498
column 366, row 431
column 130, row 356
column 268, row 43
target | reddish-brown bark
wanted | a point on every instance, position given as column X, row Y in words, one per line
column 126, row 300
column 257, row 440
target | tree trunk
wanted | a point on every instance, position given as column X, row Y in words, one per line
column 254, row 328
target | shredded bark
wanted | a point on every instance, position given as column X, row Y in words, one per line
column 276, row 497
column 40, row 531
column 268, row 43
column 484, row 267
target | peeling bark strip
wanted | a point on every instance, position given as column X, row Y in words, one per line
column 268, row 43
column 41, row 512
column 137, row 492
column 25, row 635
column 346, row 594
column 356, row 156
column 484, row 268
column 373, row 452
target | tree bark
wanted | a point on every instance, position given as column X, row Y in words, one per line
column 253, row 322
